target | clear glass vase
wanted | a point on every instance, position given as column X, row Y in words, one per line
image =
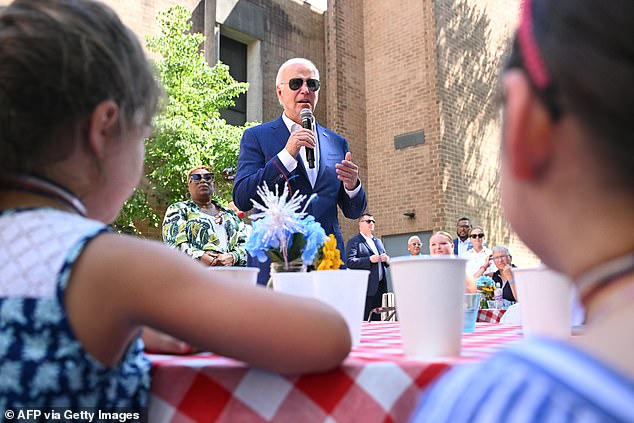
column 292, row 279
column 293, row 266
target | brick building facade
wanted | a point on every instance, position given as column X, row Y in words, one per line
column 412, row 84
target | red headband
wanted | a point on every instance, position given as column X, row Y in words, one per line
column 533, row 61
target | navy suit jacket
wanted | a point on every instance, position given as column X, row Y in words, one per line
column 258, row 163
column 455, row 246
column 358, row 254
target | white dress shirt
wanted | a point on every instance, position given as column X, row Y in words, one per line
column 463, row 246
column 292, row 163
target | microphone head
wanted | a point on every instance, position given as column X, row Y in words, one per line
column 306, row 114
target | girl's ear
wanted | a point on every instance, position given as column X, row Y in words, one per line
column 104, row 123
column 528, row 129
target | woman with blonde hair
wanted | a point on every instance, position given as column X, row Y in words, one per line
column 441, row 244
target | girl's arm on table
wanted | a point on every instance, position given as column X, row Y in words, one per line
column 121, row 283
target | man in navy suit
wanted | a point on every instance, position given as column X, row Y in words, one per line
column 364, row 251
column 461, row 244
column 275, row 152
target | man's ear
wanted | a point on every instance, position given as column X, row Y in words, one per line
column 104, row 123
column 528, row 130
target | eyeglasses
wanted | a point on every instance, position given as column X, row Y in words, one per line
column 474, row 236
column 296, row 83
column 498, row 258
column 369, row 221
column 416, row 244
column 196, row 177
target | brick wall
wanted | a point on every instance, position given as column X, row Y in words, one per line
column 431, row 66
column 401, row 97
column 347, row 86
column 473, row 38
column 140, row 15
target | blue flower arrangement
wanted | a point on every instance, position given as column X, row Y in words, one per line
column 484, row 281
column 486, row 286
column 281, row 232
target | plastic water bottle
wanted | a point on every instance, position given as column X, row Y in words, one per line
column 497, row 297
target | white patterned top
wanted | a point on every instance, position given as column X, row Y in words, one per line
column 42, row 364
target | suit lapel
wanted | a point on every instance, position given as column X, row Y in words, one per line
column 380, row 267
column 378, row 248
column 323, row 143
column 280, row 133
column 365, row 241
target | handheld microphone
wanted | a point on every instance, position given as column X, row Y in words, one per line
column 307, row 122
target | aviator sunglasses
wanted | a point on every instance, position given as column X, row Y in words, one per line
column 196, row 177
column 296, row 83
column 474, row 236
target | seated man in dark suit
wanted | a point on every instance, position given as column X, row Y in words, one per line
column 364, row 251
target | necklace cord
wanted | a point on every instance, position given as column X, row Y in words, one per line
column 43, row 186
column 604, row 276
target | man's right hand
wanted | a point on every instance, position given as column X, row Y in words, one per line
column 300, row 138
column 507, row 272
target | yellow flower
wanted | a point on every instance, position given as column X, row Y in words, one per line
column 487, row 292
column 329, row 256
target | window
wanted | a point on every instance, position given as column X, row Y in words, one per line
column 234, row 54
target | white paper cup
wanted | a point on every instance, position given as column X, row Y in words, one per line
column 545, row 299
column 294, row 283
column 430, row 303
column 236, row 275
column 345, row 291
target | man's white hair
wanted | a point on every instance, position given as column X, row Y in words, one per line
column 295, row 61
column 501, row 249
column 413, row 238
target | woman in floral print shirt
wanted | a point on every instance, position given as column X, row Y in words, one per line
column 201, row 228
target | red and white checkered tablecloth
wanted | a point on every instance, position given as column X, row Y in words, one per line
column 376, row 383
column 490, row 315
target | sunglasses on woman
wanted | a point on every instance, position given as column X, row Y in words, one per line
column 196, row 177
column 296, row 83
column 474, row 236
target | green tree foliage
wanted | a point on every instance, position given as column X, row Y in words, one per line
column 189, row 130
